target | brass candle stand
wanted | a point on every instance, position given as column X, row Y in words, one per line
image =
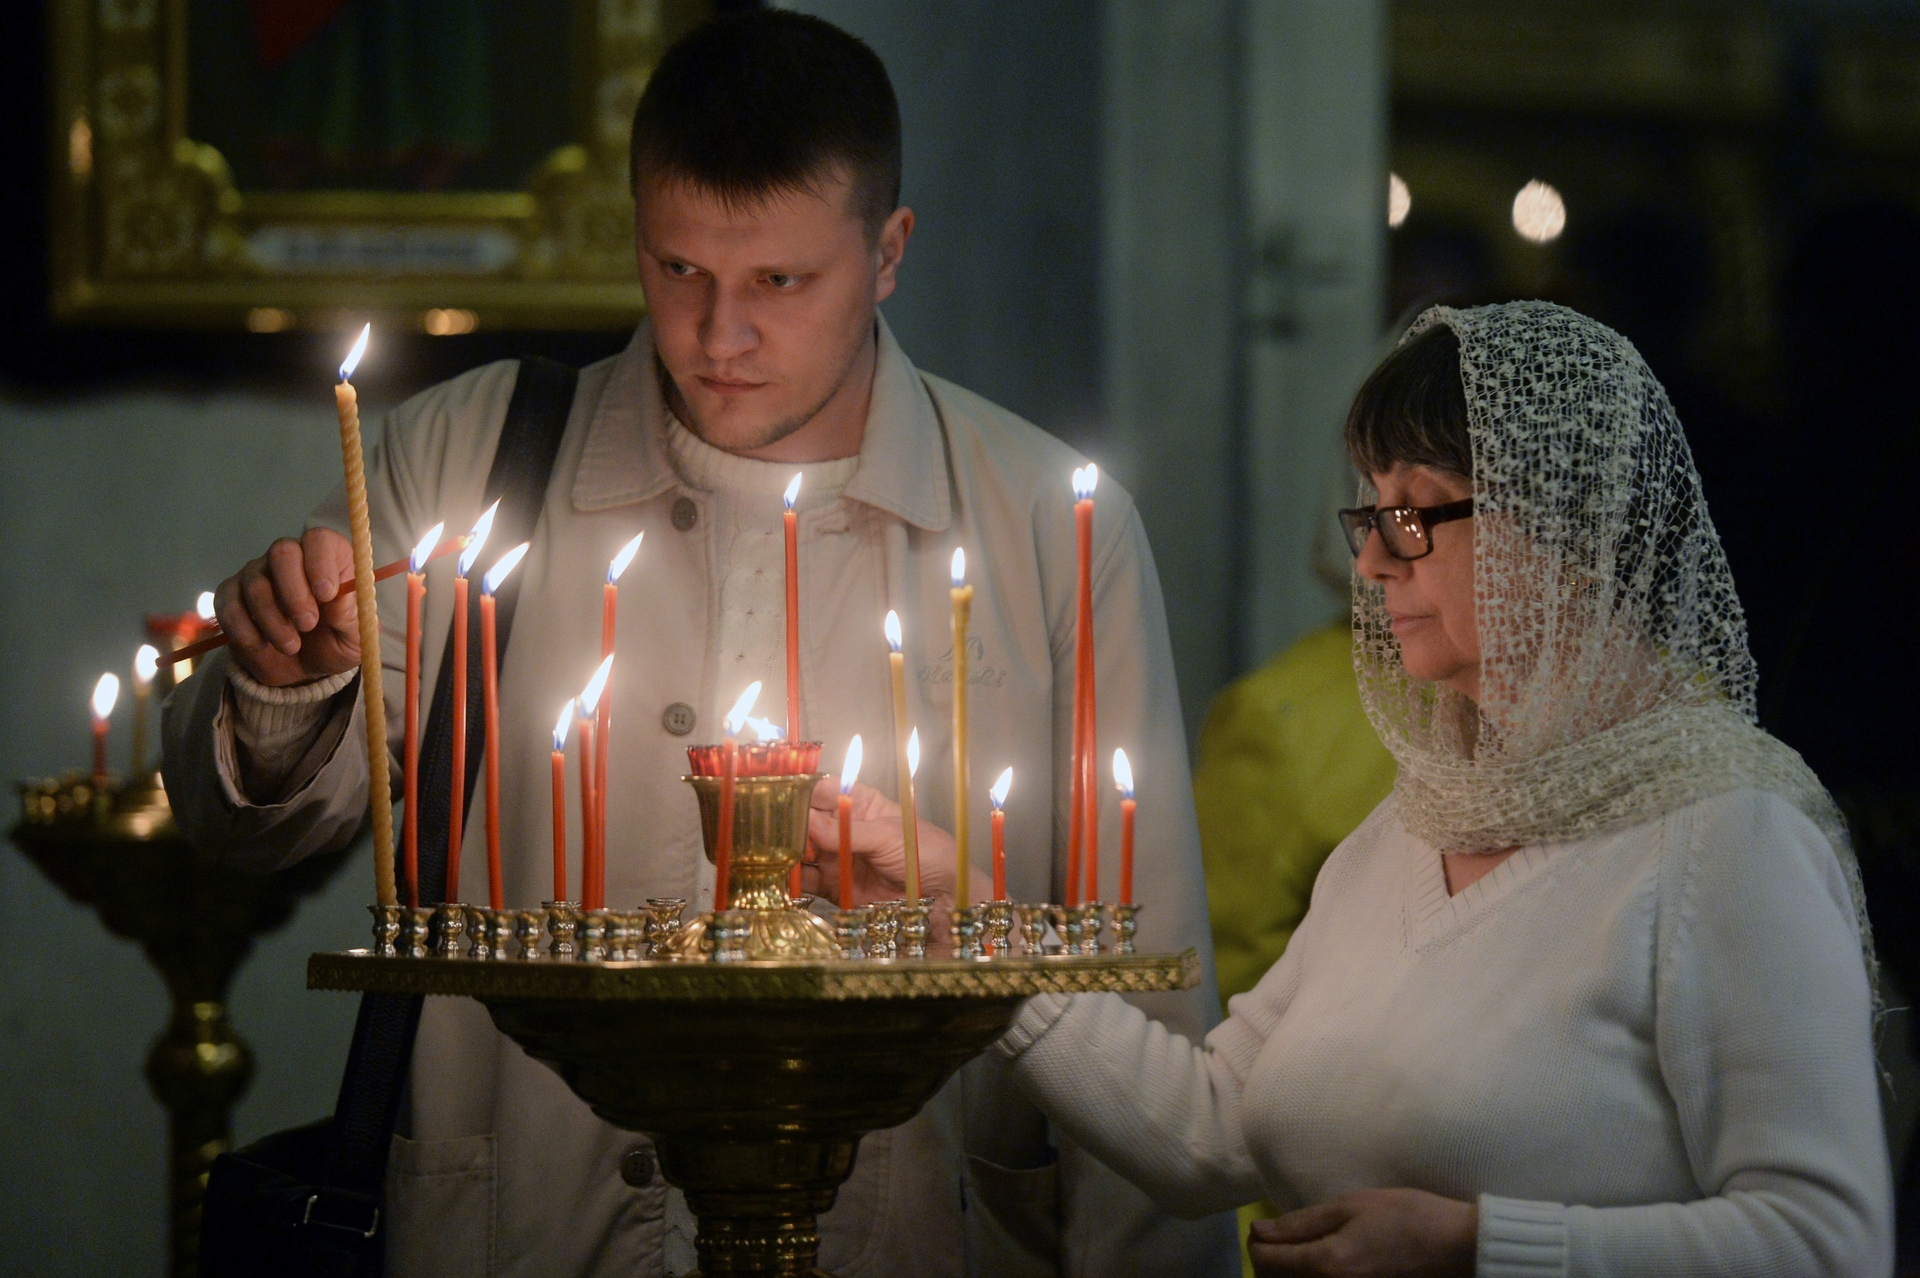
column 118, row 850
column 756, row 1078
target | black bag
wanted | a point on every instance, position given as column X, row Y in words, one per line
column 308, row 1202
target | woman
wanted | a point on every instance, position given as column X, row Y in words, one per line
column 1590, row 992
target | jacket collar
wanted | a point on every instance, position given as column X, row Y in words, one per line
column 903, row 461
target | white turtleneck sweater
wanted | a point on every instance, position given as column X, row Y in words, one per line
column 1644, row 1054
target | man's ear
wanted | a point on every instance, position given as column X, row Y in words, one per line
column 891, row 245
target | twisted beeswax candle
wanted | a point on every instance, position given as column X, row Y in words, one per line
column 347, row 402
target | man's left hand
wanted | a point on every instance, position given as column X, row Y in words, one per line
column 1371, row 1233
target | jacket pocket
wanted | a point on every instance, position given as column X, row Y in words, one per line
column 440, row 1208
column 1011, row 1220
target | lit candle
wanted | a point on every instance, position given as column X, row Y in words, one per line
column 410, row 751
column 730, row 761
column 603, row 744
column 849, row 773
column 146, row 663
column 962, row 595
column 999, row 796
column 560, row 729
column 457, row 810
column 105, row 693
column 1084, row 808
column 793, row 610
column 1123, row 782
column 592, row 869
column 490, row 707
column 371, row 693
column 909, row 750
column 912, row 822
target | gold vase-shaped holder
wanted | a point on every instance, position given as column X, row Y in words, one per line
column 769, row 838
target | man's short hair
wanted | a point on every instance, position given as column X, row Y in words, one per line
column 760, row 103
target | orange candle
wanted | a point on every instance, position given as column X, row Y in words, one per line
column 999, row 796
column 490, row 706
column 105, row 693
column 723, row 844
column 793, row 612
column 1123, row 782
column 730, row 756
column 592, row 867
column 908, row 743
column 1081, row 807
column 609, row 608
column 849, row 773
column 457, row 810
column 410, row 752
column 560, row 730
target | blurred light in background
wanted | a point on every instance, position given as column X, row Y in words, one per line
column 448, row 321
column 269, row 319
column 1539, row 214
column 1399, row 200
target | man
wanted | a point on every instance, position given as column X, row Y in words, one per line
column 766, row 169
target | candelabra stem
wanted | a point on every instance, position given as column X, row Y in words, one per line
column 198, row 1069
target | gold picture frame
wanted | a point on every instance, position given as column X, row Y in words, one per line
column 149, row 229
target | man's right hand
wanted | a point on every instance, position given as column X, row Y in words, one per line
column 291, row 615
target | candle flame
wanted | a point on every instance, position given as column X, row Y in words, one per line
column 146, row 662
column 959, row 567
column 1122, row 774
column 1085, row 480
column 850, row 770
column 476, row 539
column 590, row 696
column 562, row 726
column 417, row 561
column 490, row 584
column 204, row 605
column 621, row 560
column 913, row 753
column 737, row 717
column 893, row 631
column 793, row 492
column 353, row 356
column 999, row 792
column 765, row 730
column 105, row 693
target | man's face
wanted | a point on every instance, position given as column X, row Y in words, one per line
column 761, row 314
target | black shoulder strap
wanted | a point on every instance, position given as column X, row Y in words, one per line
column 376, row 1073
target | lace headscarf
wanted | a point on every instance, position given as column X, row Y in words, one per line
column 1615, row 679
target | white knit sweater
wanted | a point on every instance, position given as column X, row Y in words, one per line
column 1647, row 1053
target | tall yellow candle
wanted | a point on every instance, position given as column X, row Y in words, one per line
column 962, row 782
column 901, row 736
column 371, row 692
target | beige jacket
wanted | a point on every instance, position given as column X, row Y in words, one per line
column 501, row 1170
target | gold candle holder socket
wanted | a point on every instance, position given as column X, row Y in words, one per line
column 527, row 926
column 663, row 921
column 1126, row 919
column 563, row 925
column 416, row 938
column 969, row 925
column 999, row 927
column 449, row 926
column 850, row 932
column 914, row 927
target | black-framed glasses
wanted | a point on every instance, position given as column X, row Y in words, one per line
column 1406, row 531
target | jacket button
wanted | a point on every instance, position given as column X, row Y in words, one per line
column 678, row 719
column 685, row 514
column 637, row 1167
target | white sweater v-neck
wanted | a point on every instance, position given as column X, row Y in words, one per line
column 1647, row 1053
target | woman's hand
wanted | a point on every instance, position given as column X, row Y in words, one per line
column 880, row 854
column 1371, row 1233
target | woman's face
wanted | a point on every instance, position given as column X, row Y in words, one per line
column 1430, row 600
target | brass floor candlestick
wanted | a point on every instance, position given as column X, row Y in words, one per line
column 120, row 852
column 756, row 1078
